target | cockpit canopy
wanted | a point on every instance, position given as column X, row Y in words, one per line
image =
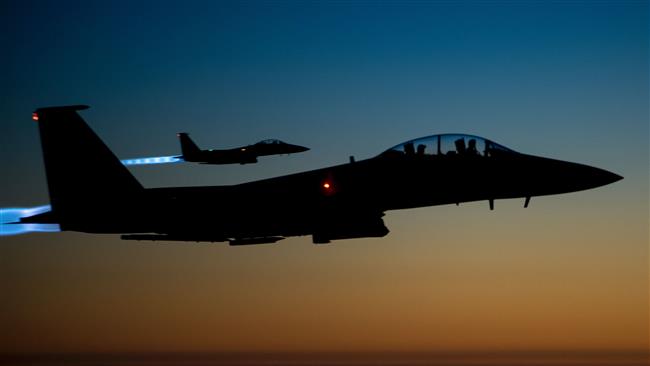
column 449, row 145
column 270, row 142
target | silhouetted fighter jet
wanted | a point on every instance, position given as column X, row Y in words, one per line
column 240, row 155
column 92, row 192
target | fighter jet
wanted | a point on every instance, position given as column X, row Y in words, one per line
column 338, row 202
column 240, row 155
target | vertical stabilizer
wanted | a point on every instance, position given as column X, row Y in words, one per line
column 87, row 183
column 188, row 148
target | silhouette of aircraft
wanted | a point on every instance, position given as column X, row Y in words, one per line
column 240, row 155
column 338, row 202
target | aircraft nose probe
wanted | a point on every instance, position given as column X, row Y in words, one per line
column 592, row 177
column 301, row 148
column 605, row 177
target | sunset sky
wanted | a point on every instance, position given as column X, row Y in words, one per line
column 566, row 81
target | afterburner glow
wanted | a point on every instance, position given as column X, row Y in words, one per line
column 14, row 214
column 9, row 216
column 16, row 229
column 152, row 160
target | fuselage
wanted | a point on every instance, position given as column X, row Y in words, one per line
column 298, row 204
column 338, row 202
column 243, row 155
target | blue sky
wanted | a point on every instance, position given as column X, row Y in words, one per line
column 244, row 70
column 345, row 78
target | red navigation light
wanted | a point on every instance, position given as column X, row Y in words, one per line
column 327, row 188
column 35, row 116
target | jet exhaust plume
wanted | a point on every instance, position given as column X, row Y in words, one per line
column 152, row 160
column 14, row 214
column 10, row 216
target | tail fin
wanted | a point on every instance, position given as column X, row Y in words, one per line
column 188, row 147
column 87, row 183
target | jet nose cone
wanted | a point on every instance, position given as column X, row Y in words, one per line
column 301, row 148
column 606, row 177
column 596, row 177
column 548, row 176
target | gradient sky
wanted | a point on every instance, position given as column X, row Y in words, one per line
column 567, row 81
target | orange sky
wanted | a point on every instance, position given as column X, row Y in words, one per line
column 447, row 278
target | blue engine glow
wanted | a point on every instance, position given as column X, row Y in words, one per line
column 14, row 214
column 16, row 229
column 9, row 215
column 153, row 160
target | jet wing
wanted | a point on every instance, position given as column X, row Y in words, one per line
column 347, row 226
column 328, row 204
